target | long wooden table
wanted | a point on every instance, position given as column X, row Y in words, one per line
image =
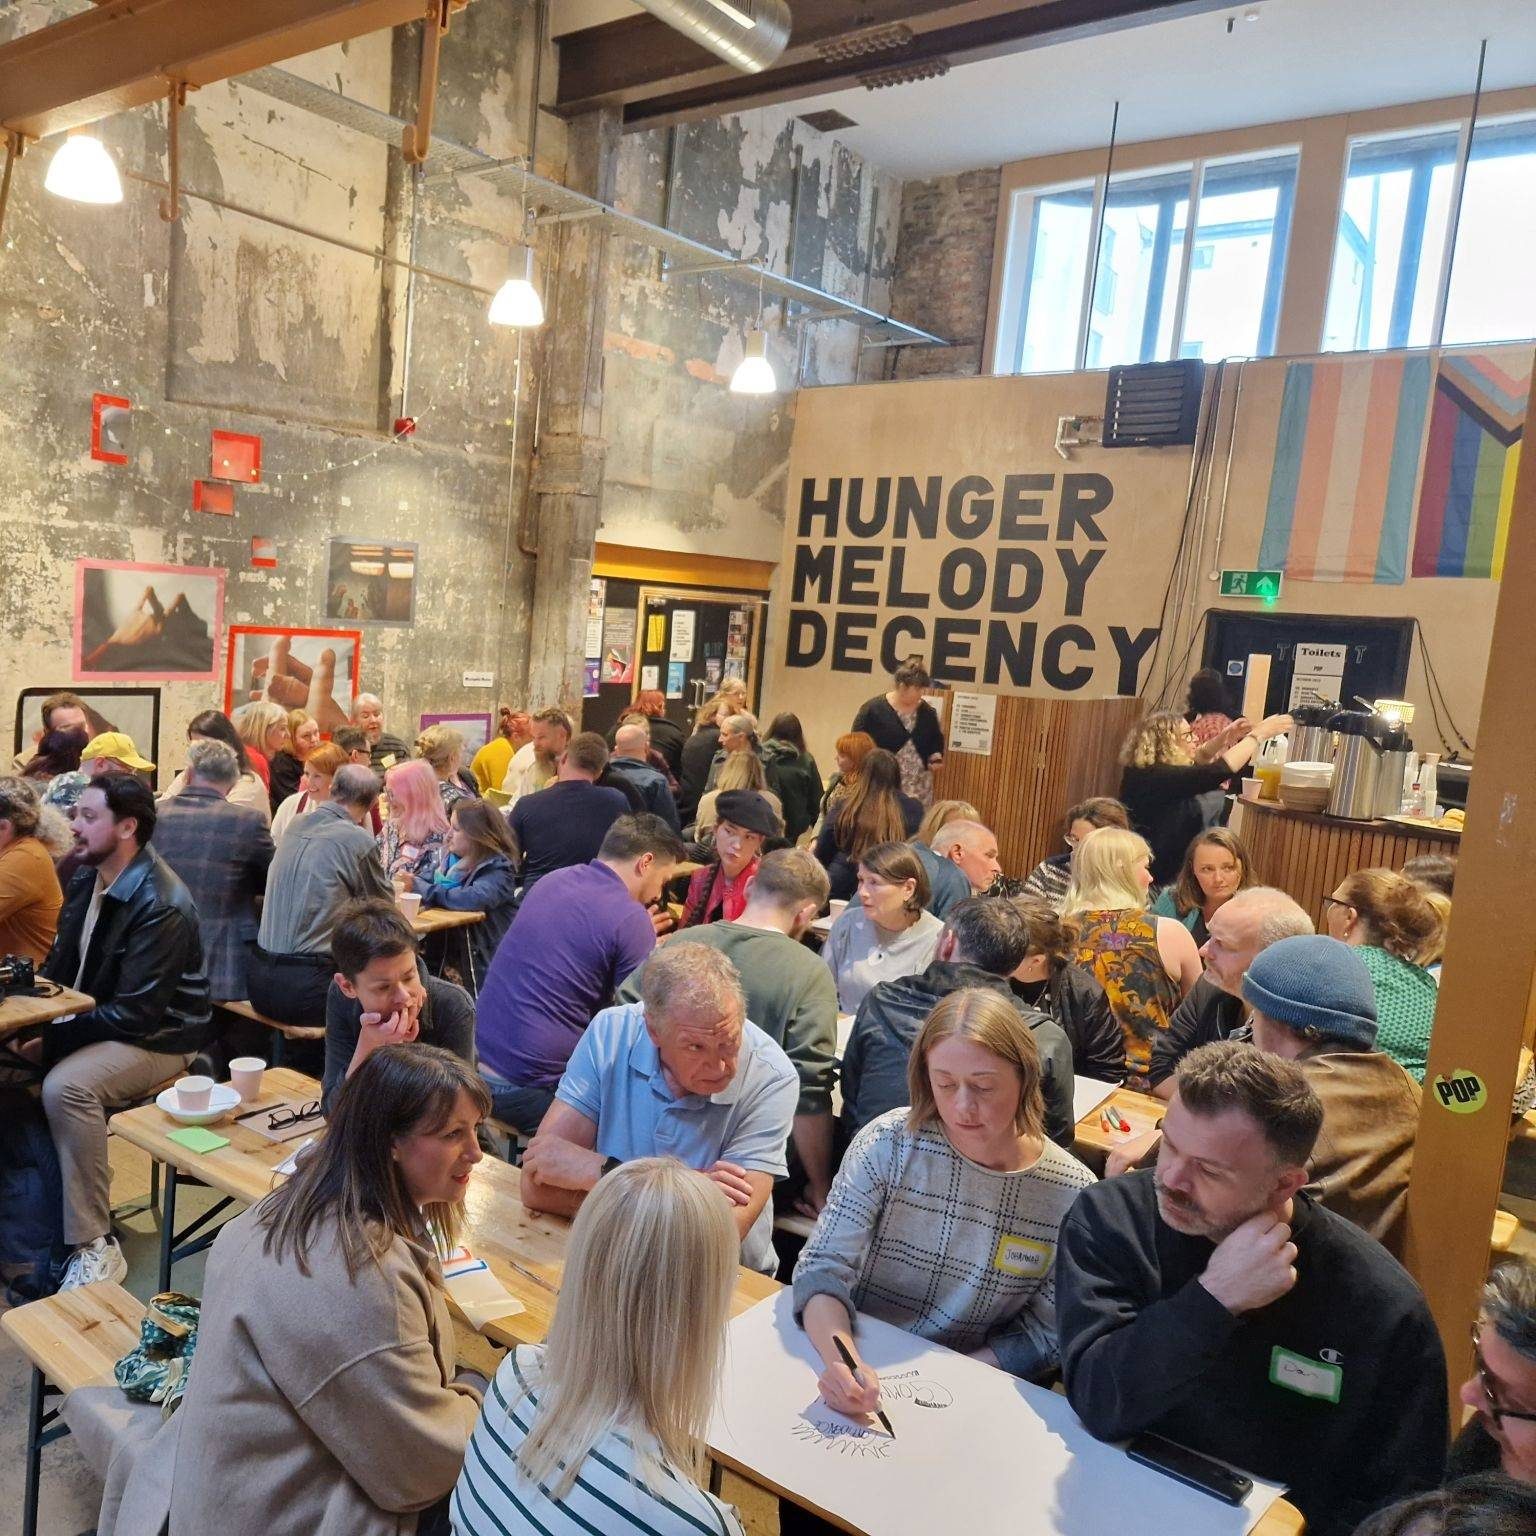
column 1093, row 1143
column 19, row 1013
column 439, row 919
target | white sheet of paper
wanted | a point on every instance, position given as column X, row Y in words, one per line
column 682, row 635
column 1087, row 1094
column 975, row 1450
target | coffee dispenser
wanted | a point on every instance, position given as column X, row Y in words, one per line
column 1368, row 765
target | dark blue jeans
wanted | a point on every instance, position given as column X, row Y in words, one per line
column 517, row 1105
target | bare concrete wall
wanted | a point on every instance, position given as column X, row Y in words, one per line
column 691, row 466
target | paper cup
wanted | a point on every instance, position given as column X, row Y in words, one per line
column 192, row 1093
column 409, row 903
column 245, row 1077
column 835, row 909
column 1252, row 789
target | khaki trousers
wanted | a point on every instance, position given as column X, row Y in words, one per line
column 78, row 1094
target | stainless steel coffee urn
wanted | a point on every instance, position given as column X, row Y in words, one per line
column 1311, row 741
column 1368, row 765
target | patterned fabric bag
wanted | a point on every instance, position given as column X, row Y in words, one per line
column 156, row 1370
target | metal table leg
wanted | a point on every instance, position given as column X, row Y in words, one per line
column 168, row 1224
column 34, row 1453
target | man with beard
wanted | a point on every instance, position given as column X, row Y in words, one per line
column 536, row 762
column 128, row 937
column 1209, row 1301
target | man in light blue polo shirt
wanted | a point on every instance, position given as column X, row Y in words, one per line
column 680, row 1074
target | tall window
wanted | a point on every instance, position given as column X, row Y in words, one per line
column 1394, row 239
column 1157, row 293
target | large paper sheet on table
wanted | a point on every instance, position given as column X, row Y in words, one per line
column 976, row 1449
column 1087, row 1094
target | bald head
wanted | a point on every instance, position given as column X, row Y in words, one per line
column 1240, row 928
column 971, row 846
column 632, row 740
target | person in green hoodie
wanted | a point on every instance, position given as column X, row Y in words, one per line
column 799, row 779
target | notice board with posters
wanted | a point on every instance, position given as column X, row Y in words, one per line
column 936, row 519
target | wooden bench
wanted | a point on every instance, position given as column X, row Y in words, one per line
column 283, row 1032
column 72, row 1340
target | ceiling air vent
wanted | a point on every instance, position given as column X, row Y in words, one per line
column 1153, row 405
column 829, row 121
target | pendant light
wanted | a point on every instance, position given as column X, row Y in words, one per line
column 82, row 171
column 517, row 301
column 754, row 373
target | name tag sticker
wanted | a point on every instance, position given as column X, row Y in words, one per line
column 1311, row 1378
column 1022, row 1257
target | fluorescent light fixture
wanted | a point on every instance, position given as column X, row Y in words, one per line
column 82, row 171
column 517, row 301
column 741, row 14
column 754, row 373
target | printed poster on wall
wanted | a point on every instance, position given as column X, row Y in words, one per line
column 1317, row 676
column 619, row 645
column 596, row 599
column 676, row 671
column 655, row 633
column 736, row 635
column 972, row 717
column 650, row 679
column 682, row 635
column 591, row 678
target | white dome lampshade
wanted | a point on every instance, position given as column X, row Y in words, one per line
column 82, row 171
column 517, row 301
column 754, row 373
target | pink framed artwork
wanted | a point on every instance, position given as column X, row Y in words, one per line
column 138, row 622
column 310, row 669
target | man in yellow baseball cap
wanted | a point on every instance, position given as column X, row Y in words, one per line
column 113, row 751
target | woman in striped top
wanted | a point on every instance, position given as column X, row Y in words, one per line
column 596, row 1431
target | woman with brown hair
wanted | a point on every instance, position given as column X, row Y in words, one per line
column 1391, row 923
column 849, row 752
column 874, row 811
column 943, row 1218
column 887, row 932
column 1215, row 869
column 325, row 1373
column 906, row 725
column 287, row 764
column 698, row 753
column 1049, row 879
column 476, row 871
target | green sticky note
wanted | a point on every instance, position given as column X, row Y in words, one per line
column 196, row 1139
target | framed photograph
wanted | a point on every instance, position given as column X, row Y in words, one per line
column 147, row 621
column 109, row 428
column 370, row 583
column 310, row 669
column 475, row 729
column 135, row 711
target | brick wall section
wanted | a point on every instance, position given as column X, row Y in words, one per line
column 944, row 269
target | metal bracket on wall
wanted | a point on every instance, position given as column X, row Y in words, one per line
column 416, row 138
column 176, row 99
column 15, row 148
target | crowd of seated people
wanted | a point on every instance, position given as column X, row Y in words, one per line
column 669, row 1052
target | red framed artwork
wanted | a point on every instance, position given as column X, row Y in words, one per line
column 310, row 669
column 109, row 428
column 235, row 456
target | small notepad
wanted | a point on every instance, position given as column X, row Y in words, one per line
column 195, row 1138
column 479, row 1295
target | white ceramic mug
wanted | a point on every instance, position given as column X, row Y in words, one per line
column 245, row 1077
column 192, row 1093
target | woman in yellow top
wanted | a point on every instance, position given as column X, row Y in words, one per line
column 1146, row 964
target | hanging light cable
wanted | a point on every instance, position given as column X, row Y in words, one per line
column 82, row 171
column 754, row 373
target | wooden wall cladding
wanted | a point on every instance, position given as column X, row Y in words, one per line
column 1307, row 855
column 1046, row 755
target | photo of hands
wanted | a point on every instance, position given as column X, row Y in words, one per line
column 315, row 670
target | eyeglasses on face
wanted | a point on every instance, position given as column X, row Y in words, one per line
column 1496, row 1411
column 279, row 1119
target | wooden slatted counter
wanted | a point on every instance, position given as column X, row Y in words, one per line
column 1307, row 855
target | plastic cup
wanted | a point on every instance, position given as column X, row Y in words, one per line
column 245, row 1077
column 1252, row 789
column 193, row 1093
column 410, row 904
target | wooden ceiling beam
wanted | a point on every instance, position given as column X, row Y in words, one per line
column 657, row 76
column 122, row 53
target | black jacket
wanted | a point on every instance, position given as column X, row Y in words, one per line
column 1144, row 1346
column 698, row 755
column 1207, row 1014
column 798, row 787
column 1164, row 806
column 1076, row 999
column 889, row 1018
column 877, row 717
column 667, row 738
column 144, row 965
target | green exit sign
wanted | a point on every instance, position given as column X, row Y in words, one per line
column 1264, row 585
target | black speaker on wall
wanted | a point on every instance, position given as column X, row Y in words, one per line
column 1153, row 405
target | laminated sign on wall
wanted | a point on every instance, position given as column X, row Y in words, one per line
column 1317, row 675
column 971, row 719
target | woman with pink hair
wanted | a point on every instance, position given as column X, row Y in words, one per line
column 417, row 828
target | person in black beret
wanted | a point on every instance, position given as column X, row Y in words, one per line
column 719, row 889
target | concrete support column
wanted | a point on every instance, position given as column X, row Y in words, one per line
column 568, row 471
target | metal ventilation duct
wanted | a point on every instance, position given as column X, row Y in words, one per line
column 750, row 34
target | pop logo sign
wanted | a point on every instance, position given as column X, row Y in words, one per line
column 1463, row 1092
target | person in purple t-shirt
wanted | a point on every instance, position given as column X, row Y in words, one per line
column 578, row 934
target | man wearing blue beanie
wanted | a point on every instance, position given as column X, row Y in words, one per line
column 1313, row 1003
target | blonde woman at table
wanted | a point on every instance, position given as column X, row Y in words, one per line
column 1146, row 964
column 943, row 1217
column 324, row 1402
column 599, row 1430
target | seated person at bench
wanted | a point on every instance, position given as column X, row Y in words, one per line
column 324, row 1396
column 380, row 995
column 684, row 1073
column 128, row 936
column 326, row 859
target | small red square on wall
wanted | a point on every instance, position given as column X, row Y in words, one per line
column 236, row 456
column 109, row 428
column 213, row 496
column 264, row 554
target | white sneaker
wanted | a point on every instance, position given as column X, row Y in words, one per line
column 101, row 1260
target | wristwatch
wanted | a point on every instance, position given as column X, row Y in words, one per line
column 609, row 1164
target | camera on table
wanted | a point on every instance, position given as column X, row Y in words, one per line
column 17, row 974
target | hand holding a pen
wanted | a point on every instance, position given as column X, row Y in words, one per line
column 847, row 1385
